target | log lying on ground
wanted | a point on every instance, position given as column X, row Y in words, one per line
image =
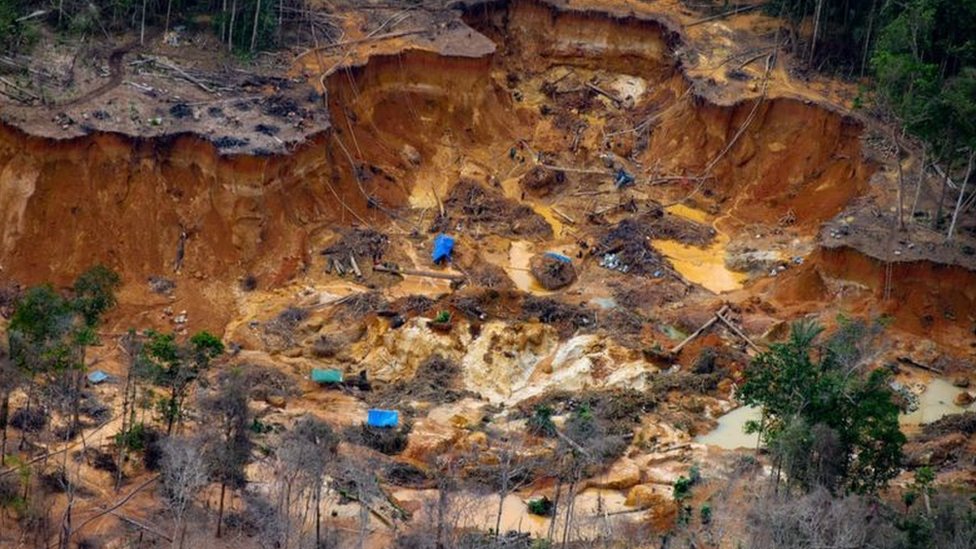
column 415, row 272
column 715, row 318
column 735, row 329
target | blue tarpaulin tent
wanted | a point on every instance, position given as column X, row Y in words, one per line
column 443, row 246
column 558, row 257
column 382, row 418
column 623, row 178
column 97, row 377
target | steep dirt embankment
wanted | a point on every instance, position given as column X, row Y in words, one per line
column 441, row 107
column 792, row 155
column 793, row 158
column 931, row 300
column 65, row 205
column 104, row 198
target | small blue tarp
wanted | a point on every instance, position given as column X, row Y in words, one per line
column 443, row 246
column 382, row 418
column 97, row 377
column 558, row 257
column 623, row 178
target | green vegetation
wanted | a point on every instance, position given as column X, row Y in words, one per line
column 827, row 421
column 16, row 32
column 133, row 439
column 925, row 62
column 95, row 293
column 681, row 492
column 540, row 423
column 542, row 507
column 243, row 25
column 176, row 366
column 706, row 513
column 843, row 31
column 49, row 334
column 922, row 54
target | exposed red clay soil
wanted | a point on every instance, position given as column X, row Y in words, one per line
column 927, row 299
column 443, row 127
column 125, row 202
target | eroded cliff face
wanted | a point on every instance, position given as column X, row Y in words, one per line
column 934, row 301
column 406, row 128
column 511, row 143
column 130, row 204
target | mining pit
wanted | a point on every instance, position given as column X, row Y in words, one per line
column 534, row 132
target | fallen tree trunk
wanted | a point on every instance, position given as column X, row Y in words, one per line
column 415, row 272
column 715, row 318
column 910, row 362
column 735, row 329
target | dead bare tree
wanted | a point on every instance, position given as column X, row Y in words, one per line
column 513, row 470
column 131, row 345
column 169, row 9
column 184, row 474
column 358, row 481
column 254, row 30
column 946, row 181
column 229, row 441
column 142, row 24
column 919, row 183
column 10, row 379
column 447, row 487
column 305, row 455
column 230, row 32
column 962, row 195
column 901, row 176
column 816, row 30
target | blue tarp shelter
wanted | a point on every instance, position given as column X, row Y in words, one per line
column 558, row 257
column 382, row 418
column 623, row 178
column 97, row 377
column 443, row 246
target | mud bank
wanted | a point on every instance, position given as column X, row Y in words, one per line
column 130, row 203
column 927, row 299
column 419, row 118
column 792, row 157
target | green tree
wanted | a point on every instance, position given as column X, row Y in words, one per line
column 841, row 32
column 39, row 339
column 175, row 367
column 49, row 334
column 94, row 293
column 826, row 419
column 924, row 62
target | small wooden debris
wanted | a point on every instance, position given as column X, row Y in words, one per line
column 911, row 362
column 715, row 318
column 183, row 74
column 414, row 272
column 563, row 216
column 355, row 266
column 735, row 329
column 616, row 101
